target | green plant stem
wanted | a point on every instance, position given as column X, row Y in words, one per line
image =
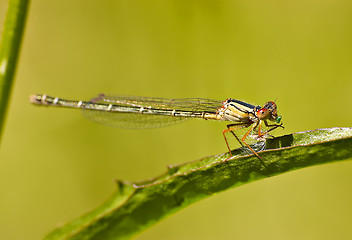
column 9, row 50
column 136, row 206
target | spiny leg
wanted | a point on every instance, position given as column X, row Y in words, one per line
column 237, row 138
column 260, row 134
column 235, row 126
column 231, row 128
column 245, row 136
column 274, row 126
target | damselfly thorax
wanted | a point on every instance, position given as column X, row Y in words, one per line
column 147, row 112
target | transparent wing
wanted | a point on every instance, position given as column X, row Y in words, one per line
column 131, row 120
column 185, row 104
column 136, row 120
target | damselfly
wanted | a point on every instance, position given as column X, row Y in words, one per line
column 147, row 112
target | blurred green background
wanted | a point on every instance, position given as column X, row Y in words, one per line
column 56, row 165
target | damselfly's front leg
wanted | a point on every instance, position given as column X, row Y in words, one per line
column 274, row 126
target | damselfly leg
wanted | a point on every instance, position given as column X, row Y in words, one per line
column 232, row 127
column 274, row 126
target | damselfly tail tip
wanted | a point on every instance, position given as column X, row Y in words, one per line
column 34, row 98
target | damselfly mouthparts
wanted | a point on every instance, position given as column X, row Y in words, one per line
column 146, row 112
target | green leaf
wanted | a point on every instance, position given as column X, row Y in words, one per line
column 9, row 50
column 136, row 206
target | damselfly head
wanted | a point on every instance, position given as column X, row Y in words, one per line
column 269, row 112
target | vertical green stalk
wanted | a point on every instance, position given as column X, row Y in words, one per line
column 9, row 49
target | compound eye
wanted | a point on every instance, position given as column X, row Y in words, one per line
column 263, row 113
